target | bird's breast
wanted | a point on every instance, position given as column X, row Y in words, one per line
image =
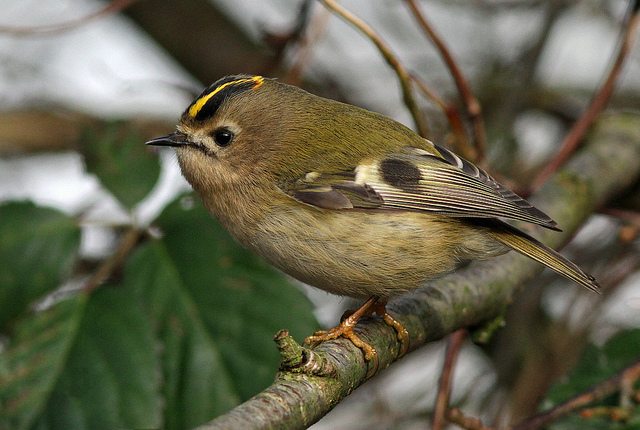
column 363, row 253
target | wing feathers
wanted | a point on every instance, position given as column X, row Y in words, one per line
column 506, row 193
column 417, row 180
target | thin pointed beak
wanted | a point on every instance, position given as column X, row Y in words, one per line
column 174, row 139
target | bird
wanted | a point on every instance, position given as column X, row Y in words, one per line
column 345, row 199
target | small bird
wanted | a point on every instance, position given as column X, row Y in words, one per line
column 344, row 199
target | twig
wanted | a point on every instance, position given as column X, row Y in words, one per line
column 472, row 106
column 630, row 216
column 129, row 240
column 313, row 32
column 456, row 339
column 391, row 59
column 573, row 138
column 527, row 62
column 630, row 230
column 113, row 7
column 280, row 41
column 460, row 140
column 456, row 416
column 597, row 392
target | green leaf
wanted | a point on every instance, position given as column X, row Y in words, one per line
column 117, row 155
column 33, row 361
column 111, row 377
column 38, row 247
column 217, row 308
column 197, row 384
column 596, row 365
column 184, row 336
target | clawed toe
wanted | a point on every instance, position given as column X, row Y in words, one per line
column 346, row 329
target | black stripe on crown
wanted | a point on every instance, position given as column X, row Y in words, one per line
column 207, row 103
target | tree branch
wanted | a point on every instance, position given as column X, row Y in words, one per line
column 299, row 397
column 573, row 138
column 599, row 391
column 454, row 345
column 471, row 103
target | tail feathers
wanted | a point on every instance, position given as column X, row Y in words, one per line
column 532, row 248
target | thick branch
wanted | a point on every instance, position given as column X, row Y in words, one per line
column 608, row 164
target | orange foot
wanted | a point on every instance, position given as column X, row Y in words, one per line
column 346, row 329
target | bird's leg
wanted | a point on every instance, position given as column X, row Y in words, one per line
column 380, row 308
column 345, row 329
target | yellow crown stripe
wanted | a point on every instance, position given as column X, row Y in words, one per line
column 195, row 108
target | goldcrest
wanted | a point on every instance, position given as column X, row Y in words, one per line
column 345, row 199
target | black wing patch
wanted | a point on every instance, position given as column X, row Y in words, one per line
column 417, row 180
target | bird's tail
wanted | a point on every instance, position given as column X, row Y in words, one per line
column 532, row 248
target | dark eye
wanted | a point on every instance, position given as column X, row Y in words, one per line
column 222, row 136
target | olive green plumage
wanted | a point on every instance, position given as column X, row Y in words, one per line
column 342, row 198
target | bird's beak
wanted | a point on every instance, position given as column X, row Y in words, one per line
column 175, row 139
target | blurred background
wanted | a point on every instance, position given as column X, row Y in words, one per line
column 84, row 83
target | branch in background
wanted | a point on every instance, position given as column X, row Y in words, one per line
column 127, row 243
column 626, row 215
column 111, row 8
column 573, row 138
column 57, row 130
column 471, row 104
column 280, row 41
column 460, row 142
column 630, row 230
column 446, row 378
column 604, row 389
column 456, row 416
column 527, row 62
column 390, row 58
column 302, row 54
column 477, row 293
column 201, row 38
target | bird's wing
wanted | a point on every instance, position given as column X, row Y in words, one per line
column 417, row 180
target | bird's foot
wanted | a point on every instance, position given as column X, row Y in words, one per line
column 347, row 325
column 380, row 308
column 346, row 329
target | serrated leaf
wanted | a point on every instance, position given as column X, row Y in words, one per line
column 197, row 384
column 244, row 301
column 217, row 308
column 596, row 365
column 117, row 155
column 111, row 377
column 38, row 247
column 33, row 361
column 599, row 363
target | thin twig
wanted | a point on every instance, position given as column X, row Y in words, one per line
column 630, row 216
column 597, row 392
column 472, row 106
column 460, row 140
column 444, row 386
column 113, row 7
column 456, row 416
column 129, row 240
column 574, row 137
column 279, row 42
column 390, row 58
column 314, row 30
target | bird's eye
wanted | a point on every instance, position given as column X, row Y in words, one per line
column 222, row 136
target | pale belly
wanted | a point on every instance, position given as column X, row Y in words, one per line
column 360, row 254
